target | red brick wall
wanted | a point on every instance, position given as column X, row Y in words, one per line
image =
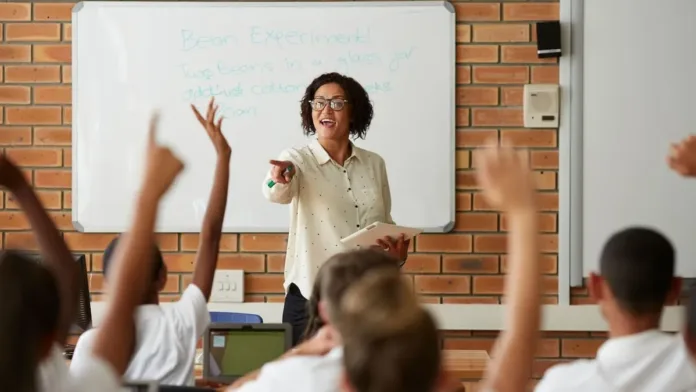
column 496, row 56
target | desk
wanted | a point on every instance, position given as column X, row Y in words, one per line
column 468, row 365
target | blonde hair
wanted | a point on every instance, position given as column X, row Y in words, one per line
column 336, row 275
column 391, row 342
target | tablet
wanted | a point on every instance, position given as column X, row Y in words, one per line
column 369, row 235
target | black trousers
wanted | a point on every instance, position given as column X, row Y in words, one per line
column 295, row 312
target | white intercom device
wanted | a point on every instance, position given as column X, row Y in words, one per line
column 541, row 105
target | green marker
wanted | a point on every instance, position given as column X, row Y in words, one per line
column 270, row 183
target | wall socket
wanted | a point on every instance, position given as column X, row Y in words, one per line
column 228, row 286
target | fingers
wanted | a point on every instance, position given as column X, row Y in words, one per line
column 210, row 110
column 218, row 126
column 198, row 115
column 152, row 134
column 279, row 164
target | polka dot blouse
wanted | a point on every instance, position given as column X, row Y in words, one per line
column 328, row 202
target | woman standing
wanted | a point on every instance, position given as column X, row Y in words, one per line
column 335, row 187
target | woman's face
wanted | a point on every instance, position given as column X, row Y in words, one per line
column 330, row 112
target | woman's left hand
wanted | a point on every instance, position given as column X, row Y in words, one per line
column 396, row 247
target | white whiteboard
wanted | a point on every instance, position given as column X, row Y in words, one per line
column 638, row 98
column 257, row 58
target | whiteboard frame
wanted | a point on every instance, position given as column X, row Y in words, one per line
column 448, row 227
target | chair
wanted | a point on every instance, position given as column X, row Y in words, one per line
column 237, row 318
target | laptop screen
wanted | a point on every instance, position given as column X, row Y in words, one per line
column 235, row 352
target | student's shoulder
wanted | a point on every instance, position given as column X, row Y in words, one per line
column 308, row 371
column 567, row 375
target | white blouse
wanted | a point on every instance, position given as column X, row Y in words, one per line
column 329, row 202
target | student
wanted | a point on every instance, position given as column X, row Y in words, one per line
column 166, row 336
column 636, row 281
column 509, row 186
column 316, row 364
column 38, row 301
column 390, row 343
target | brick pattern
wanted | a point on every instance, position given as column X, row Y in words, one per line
column 496, row 56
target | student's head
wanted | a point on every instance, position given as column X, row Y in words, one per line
column 336, row 107
column 29, row 315
column 636, row 276
column 335, row 276
column 390, row 342
column 159, row 272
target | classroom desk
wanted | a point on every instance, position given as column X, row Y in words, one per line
column 467, row 365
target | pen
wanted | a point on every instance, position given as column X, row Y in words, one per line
column 270, row 183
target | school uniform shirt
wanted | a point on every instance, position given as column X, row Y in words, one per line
column 650, row 361
column 93, row 375
column 301, row 373
column 166, row 338
column 328, row 202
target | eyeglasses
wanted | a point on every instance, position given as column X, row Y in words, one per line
column 335, row 104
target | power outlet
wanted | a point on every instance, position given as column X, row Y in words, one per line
column 228, row 286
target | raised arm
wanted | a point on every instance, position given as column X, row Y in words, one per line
column 53, row 249
column 115, row 338
column 209, row 241
column 281, row 182
column 509, row 185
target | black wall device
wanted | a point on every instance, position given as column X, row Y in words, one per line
column 548, row 39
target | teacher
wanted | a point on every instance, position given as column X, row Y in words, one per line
column 334, row 187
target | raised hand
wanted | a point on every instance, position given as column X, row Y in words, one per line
column 10, row 175
column 682, row 157
column 506, row 179
column 282, row 171
column 162, row 165
column 214, row 128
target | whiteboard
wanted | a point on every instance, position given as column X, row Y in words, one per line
column 130, row 58
column 639, row 85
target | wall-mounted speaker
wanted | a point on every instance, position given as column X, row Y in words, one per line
column 548, row 39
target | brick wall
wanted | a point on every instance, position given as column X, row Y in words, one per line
column 496, row 55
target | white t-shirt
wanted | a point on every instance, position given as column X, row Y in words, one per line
column 329, row 202
column 92, row 375
column 650, row 361
column 166, row 338
column 301, row 373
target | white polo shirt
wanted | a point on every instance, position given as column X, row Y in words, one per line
column 650, row 361
column 93, row 375
column 166, row 338
column 301, row 373
column 329, row 202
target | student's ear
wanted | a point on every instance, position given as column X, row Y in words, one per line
column 674, row 291
column 323, row 312
column 594, row 286
column 345, row 383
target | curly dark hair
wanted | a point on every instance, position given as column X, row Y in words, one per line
column 358, row 99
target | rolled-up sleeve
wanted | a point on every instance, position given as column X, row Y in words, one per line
column 284, row 193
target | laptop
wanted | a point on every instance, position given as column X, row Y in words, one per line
column 231, row 350
column 139, row 386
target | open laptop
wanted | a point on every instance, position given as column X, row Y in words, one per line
column 139, row 386
column 232, row 350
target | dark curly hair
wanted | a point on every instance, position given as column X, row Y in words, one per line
column 358, row 99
